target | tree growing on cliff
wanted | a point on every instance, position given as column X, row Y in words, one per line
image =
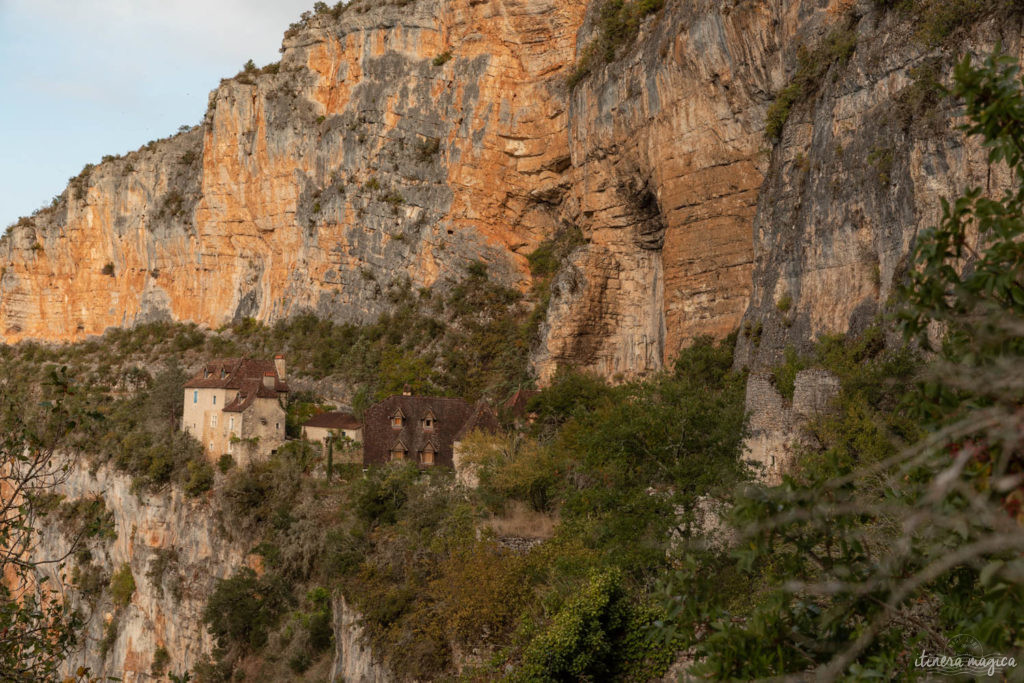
column 37, row 627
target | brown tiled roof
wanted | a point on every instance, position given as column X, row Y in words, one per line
column 482, row 418
column 452, row 414
column 250, row 390
column 235, row 373
column 334, row 420
column 517, row 403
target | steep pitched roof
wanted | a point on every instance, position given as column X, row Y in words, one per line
column 236, row 373
column 482, row 418
column 334, row 420
column 516, row 404
column 249, row 391
column 451, row 414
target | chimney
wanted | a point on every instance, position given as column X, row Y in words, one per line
column 268, row 379
column 279, row 366
column 406, row 390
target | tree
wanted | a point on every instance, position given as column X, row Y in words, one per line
column 37, row 626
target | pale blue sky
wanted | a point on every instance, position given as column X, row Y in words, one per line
column 84, row 78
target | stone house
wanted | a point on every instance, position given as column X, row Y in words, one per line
column 423, row 429
column 320, row 428
column 236, row 406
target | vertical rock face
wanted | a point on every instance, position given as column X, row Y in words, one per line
column 175, row 548
column 396, row 141
column 860, row 170
column 163, row 530
column 664, row 183
column 353, row 660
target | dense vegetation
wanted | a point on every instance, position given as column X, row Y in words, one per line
column 610, row 477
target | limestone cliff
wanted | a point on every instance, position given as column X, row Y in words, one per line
column 394, row 141
column 404, row 140
column 175, row 552
column 176, row 548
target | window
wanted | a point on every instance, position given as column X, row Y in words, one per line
column 195, row 396
column 211, row 447
column 397, row 420
column 427, row 456
column 399, row 451
column 213, row 420
column 215, row 399
column 231, row 422
column 428, row 422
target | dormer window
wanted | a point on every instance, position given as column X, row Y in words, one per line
column 206, row 373
column 399, row 451
column 427, row 455
column 223, row 373
column 397, row 420
column 429, row 422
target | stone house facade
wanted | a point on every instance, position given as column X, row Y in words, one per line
column 236, row 406
column 320, row 428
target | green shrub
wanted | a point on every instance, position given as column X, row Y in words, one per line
column 618, row 25
column 784, row 375
column 596, row 635
column 200, row 478
column 784, row 303
column 225, row 463
column 87, row 518
column 110, row 630
column 379, row 496
column 243, row 608
column 122, row 585
column 443, row 58
column 161, row 658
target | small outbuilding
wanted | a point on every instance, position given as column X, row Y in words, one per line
column 336, row 423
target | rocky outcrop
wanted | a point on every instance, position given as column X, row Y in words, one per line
column 776, row 426
column 665, row 148
column 175, row 549
column 353, row 661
